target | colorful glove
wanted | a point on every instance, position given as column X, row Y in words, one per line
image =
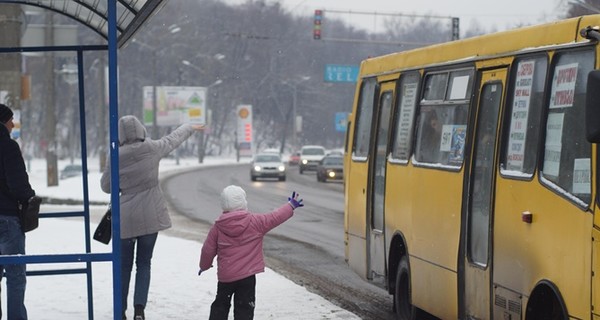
column 294, row 202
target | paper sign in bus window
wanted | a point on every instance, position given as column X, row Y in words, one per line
column 520, row 115
column 459, row 88
column 581, row 176
column 446, row 140
column 563, row 86
column 407, row 110
column 453, row 141
column 457, row 151
column 554, row 129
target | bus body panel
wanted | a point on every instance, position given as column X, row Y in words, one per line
column 565, row 31
column 356, row 211
column 357, row 256
column 596, row 273
column 522, row 256
column 355, row 198
column 432, row 235
column 435, row 215
column 440, row 297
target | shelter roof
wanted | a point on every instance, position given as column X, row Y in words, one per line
column 131, row 14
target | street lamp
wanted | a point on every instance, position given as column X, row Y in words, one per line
column 294, row 87
column 217, row 56
column 172, row 30
column 202, row 141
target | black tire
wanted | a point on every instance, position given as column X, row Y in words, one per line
column 281, row 178
column 253, row 178
column 402, row 293
column 301, row 171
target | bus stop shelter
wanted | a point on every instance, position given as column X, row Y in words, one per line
column 116, row 21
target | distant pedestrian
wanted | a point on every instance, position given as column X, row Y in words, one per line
column 236, row 239
column 143, row 208
column 15, row 192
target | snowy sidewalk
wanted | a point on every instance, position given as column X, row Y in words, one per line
column 176, row 291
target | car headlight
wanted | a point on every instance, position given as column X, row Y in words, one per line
column 281, row 168
column 257, row 168
column 331, row 174
column 304, row 161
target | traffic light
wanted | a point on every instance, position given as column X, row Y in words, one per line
column 317, row 24
column 455, row 28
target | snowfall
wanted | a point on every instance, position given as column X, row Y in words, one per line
column 176, row 290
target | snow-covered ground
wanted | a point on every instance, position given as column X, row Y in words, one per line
column 176, row 291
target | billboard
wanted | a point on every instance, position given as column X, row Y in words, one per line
column 175, row 105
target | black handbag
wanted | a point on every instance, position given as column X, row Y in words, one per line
column 30, row 214
column 103, row 232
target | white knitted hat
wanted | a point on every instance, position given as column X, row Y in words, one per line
column 233, row 198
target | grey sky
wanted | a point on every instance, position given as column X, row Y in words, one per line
column 499, row 15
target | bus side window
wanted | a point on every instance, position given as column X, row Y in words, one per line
column 364, row 120
column 566, row 158
column 404, row 116
column 442, row 125
column 524, row 108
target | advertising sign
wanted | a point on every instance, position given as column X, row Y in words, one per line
column 175, row 105
column 244, row 130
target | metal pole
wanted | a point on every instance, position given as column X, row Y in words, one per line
column 102, row 115
column 51, row 158
column 294, row 121
column 114, row 158
column 154, row 103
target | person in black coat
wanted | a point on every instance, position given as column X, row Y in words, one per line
column 15, row 191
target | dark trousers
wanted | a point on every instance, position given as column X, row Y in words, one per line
column 243, row 292
column 143, row 258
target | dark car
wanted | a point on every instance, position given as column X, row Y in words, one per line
column 330, row 168
column 71, row 170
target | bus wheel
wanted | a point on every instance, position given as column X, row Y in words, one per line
column 402, row 293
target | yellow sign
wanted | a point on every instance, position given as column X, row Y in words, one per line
column 244, row 113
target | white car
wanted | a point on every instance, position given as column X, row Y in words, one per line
column 310, row 157
column 267, row 165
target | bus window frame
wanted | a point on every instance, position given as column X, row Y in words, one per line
column 547, row 183
column 508, row 108
column 358, row 122
column 468, row 101
column 397, row 108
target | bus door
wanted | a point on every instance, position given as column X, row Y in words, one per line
column 376, row 186
column 480, row 203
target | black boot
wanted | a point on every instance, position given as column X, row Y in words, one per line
column 139, row 312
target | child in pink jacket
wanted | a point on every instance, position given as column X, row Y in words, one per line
column 236, row 239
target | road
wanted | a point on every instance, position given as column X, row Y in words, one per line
column 308, row 249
